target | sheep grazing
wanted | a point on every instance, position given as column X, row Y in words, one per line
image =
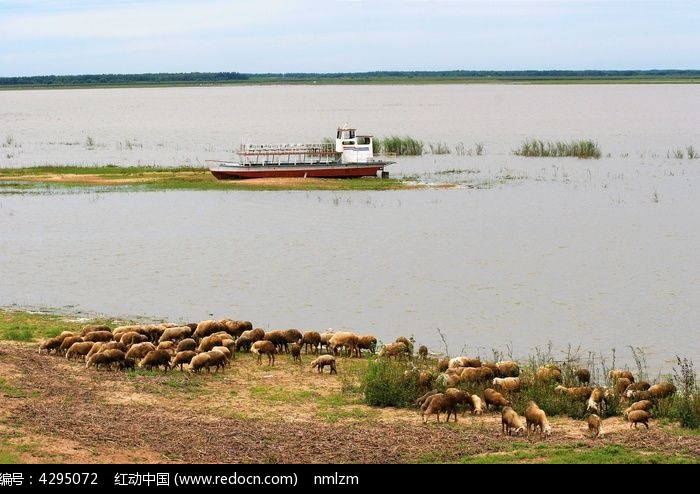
column 644, row 405
column 477, row 405
column 616, row 374
column 264, row 347
column 198, row 362
column 621, row 385
column 507, row 384
column 278, row 339
column 548, row 373
column 597, row 399
column 188, row 344
column 576, row 393
column 663, row 390
column 168, row 346
column 67, row 343
column 127, row 364
column 367, row 342
column 131, row 338
column 156, row 358
column 639, row 386
column 292, row 335
column 638, row 416
column 461, row 397
column 115, row 355
column 49, row 345
column 95, row 349
column 423, row 352
column 405, row 341
column 476, row 374
column 422, row 399
column 227, row 353
column 465, row 362
column 425, row 379
column 217, row 359
column 208, row 327
column 493, row 397
column 96, row 360
column 183, row 357
column 534, row 418
column 112, row 345
column 247, row 338
column 311, row 339
column 140, row 350
column 583, row 376
column 443, row 364
column 99, row 336
column 326, row 337
column 440, row 403
column 176, row 334
column 236, row 328
column 594, row 425
column 507, row 368
column 80, row 349
column 511, row 422
column 90, row 328
column 296, row 353
column 64, row 335
column 396, row 350
column 325, row 360
column 344, row 339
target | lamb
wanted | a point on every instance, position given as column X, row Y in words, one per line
column 67, row 343
column 344, row 339
column 264, row 347
column 662, row 390
column 440, row 403
column 156, row 358
column 311, row 339
column 188, row 344
column 511, row 422
column 176, row 334
column 140, row 350
column 296, row 353
column 198, row 362
column 616, row 374
column 465, row 362
column 638, row 405
column 594, row 425
column 79, row 349
column 422, row 352
column 548, row 373
column 183, row 357
column 396, row 350
column 230, row 345
column 367, row 342
column 638, row 416
column 217, row 359
column 493, row 397
column 583, row 376
column 425, row 379
column 535, row 417
column 509, row 384
column 113, row 354
column 64, row 335
column 50, row 344
column 325, row 360
column 99, row 336
column 477, row 405
column 131, row 338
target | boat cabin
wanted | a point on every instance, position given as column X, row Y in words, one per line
column 354, row 148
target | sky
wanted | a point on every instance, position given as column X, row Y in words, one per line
column 43, row 37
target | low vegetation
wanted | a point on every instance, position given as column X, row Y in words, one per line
column 400, row 146
column 558, row 149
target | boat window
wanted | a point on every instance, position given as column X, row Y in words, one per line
column 348, row 134
column 348, row 143
column 363, row 140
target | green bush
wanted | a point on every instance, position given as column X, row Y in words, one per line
column 385, row 384
column 686, row 403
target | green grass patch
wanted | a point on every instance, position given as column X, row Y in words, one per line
column 333, row 415
column 401, row 146
column 10, row 391
column 559, row 149
column 282, row 395
column 29, row 326
column 386, row 384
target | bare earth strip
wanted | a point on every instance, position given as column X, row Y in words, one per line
column 65, row 413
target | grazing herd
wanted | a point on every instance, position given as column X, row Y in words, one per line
column 213, row 344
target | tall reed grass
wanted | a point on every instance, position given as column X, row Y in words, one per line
column 401, row 146
column 558, row 149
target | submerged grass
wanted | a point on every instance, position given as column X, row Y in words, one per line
column 401, row 146
column 577, row 149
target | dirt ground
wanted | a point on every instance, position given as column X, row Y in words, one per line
column 55, row 410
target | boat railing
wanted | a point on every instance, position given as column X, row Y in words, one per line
column 285, row 149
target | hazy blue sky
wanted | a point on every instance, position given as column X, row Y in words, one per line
column 95, row 36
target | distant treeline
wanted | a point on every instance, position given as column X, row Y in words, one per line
column 339, row 77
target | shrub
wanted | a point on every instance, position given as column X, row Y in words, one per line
column 385, row 384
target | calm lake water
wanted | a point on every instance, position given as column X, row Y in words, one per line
column 597, row 253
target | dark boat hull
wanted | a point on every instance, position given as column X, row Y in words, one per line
column 281, row 171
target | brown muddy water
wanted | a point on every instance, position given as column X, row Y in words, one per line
column 597, row 253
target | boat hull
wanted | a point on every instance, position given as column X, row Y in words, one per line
column 296, row 171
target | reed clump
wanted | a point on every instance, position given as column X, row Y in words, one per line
column 401, row 146
column 559, row 149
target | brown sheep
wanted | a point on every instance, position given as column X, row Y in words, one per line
column 50, row 344
column 176, row 334
column 621, row 385
column 131, row 338
column 507, row 384
column 277, row 338
column 367, row 342
column 511, row 422
column 405, row 341
column 95, row 349
column 461, row 397
column 168, row 346
column 208, row 327
column 156, row 358
column 247, row 338
column 186, row 345
column 80, row 349
column 227, row 353
column 422, row 399
column 115, row 355
column 326, row 337
column 477, row 405
column 99, row 336
column 112, row 345
column 597, row 399
column 264, row 347
column 217, row 359
column 209, row 342
column 311, row 339
column 443, row 364
column 94, row 327
column 638, row 405
column 616, row 374
column 127, row 363
column 638, row 416
column 476, row 374
column 508, row 368
column 292, row 335
column 198, row 362
column 583, row 376
column 296, row 353
column 493, row 397
column 96, row 360
column 140, row 350
column 396, row 350
column 576, row 393
column 64, row 335
column 425, row 379
column 325, row 360
column 594, row 425
column 639, row 386
column 67, row 343
column 183, row 357
column 236, row 328
column 344, row 339
column 662, row 390
column 423, row 352
column 548, row 374
column 535, row 417
column 440, row 403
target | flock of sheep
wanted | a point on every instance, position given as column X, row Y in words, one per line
column 212, row 343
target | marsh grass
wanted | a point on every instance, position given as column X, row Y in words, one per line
column 558, row 149
column 439, row 148
column 401, row 146
column 692, row 154
column 385, row 384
